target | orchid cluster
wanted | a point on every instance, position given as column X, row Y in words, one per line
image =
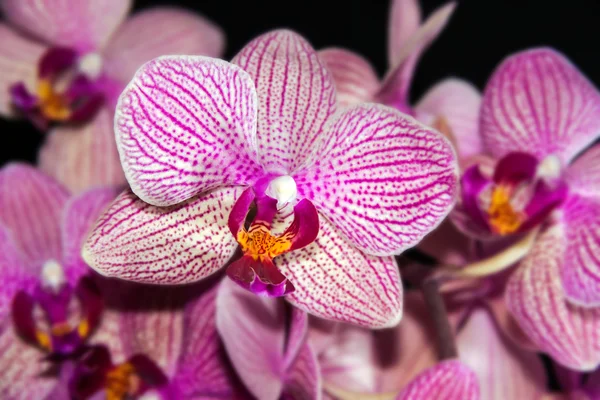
column 198, row 228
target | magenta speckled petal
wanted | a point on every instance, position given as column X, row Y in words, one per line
column 355, row 78
column 537, row 101
column 18, row 63
column 303, row 379
column 185, row 243
column 160, row 31
column 583, row 176
column 31, row 204
column 404, row 21
column 504, row 370
column 82, row 24
column 534, row 295
column 383, row 179
column 334, row 280
column 184, row 125
column 448, row 380
column 82, row 157
column 296, row 97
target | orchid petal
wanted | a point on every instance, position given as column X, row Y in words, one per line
column 384, row 180
column 109, row 330
column 537, row 101
column 296, row 96
column 16, row 274
column 404, row 21
column 583, row 175
column 185, row 243
column 253, row 331
column 303, row 381
column 535, row 297
column 160, row 31
column 30, row 207
column 84, row 25
column 355, row 79
column 18, row 63
column 185, row 125
column 504, row 371
column 334, row 280
column 457, row 102
column 508, row 325
column 82, row 157
column 448, row 380
column 297, row 334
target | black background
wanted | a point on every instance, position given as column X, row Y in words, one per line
column 480, row 34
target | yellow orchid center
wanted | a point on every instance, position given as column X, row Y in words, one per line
column 121, row 381
column 503, row 218
column 260, row 244
column 53, row 105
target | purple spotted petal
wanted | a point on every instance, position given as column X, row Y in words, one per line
column 404, row 21
column 535, row 297
column 355, row 78
column 84, row 25
column 537, row 101
column 303, row 380
column 383, row 179
column 185, row 243
column 296, row 96
column 334, row 280
column 583, row 176
column 184, row 125
column 448, row 380
column 504, row 371
column 156, row 32
column 30, row 208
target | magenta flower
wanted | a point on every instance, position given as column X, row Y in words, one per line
column 66, row 62
column 205, row 143
column 54, row 307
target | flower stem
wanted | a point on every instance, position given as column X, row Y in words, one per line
column 437, row 310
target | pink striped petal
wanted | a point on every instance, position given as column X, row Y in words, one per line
column 334, row 280
column 18, row 63
column 83, row 157
column 537, row 101
column 583, row 176
column 82, row 24
column 404, row 21
column 448, row 380
column 296, row 96
column 457, row 102
column 30, row 208
column 303, row 381
column 297, row 333
column 384, row 180
column 253, row 331
column 16, row 274
column 109, row 330
column 355, row 79
column 568, row 333
column 185, row 125
column 185, row 243
column 504, row 371
column 160, row 31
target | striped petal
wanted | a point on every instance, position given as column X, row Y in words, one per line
column 185, row 243
column 185, row 125
column 384, row 180
column 404, row 21
column 568, row 333
column 303, row 380
column 448, row 380
column 297, row 333
column 537, row 101
column 160, row 31
column 504, row 371
column 457, row 103
column 84, row 25
column 296, row 96
column 355, row 79
column 16, row 274
column 30, row 208
column 18, row 63
column 334, row 280
column 583, row 175
column 83, row 157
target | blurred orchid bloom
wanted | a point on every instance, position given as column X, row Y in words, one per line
column 47, row 304
column 207, row 145
column 65, row 63
column 451, row 106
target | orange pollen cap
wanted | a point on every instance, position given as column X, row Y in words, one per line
column 503, row 218
column 260, row 244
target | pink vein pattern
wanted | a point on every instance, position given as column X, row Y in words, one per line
column 185, row 125
column 538, row 101
column 583, row 175
column 303, row 379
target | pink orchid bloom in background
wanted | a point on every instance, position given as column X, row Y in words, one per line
column 540, row 118
column 203, row 141
column 452, row 106
column 45, row 298
column 65, row 63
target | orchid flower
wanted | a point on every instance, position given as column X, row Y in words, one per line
column 330, row 196
column 64, row 63
column 539, row 121
column 47, row 304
